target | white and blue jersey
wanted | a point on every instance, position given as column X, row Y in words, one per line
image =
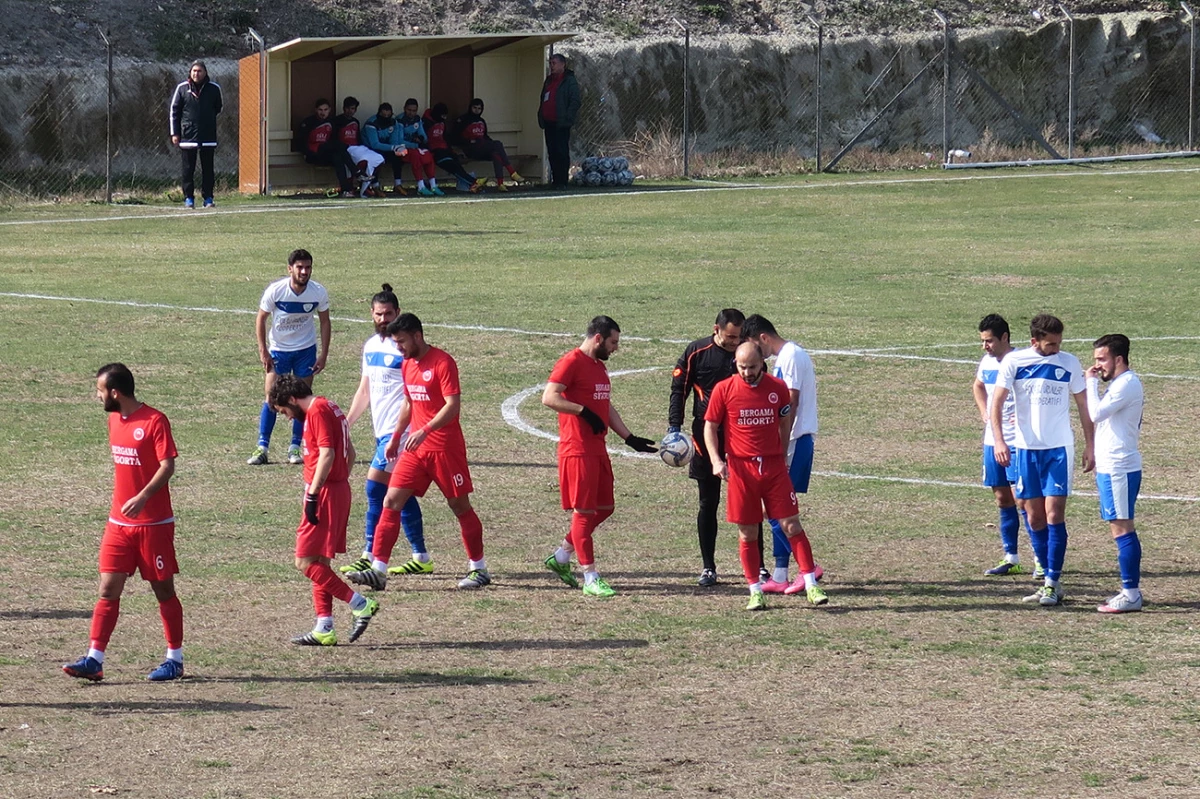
column 988, row 371
column 293, row 316
column 1118, row 418
column 1042, row 387
column 381, row 362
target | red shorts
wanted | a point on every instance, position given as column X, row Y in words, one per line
column 585, row 481
column 448, row 469
column 326, row 538
column 754, row 483
column 149, row 549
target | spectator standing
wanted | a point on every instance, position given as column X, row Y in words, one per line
column 557, row 112
column 194, row 108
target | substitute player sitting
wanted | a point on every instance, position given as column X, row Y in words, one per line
column 1118, row 419
column 434, row 452
column 382, row 388
column 140, row 534
column 321, row 536
column 754, row 410
column 579, row 389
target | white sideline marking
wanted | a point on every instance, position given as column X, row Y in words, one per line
column 324, row 204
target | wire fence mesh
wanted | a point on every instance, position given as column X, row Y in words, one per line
column 1082, row 87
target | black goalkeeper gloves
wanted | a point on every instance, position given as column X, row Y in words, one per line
column 640, row 444
column 593, row 419
column 310, row 508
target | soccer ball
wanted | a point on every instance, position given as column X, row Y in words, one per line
column 624, row 178
column 676, row 449
column 620, row 163
column 605, row 165
column 608, row 179
column 592, row 178
column 591, row 164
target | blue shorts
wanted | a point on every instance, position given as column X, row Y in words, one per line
column 1043, row 472
column 380, row 460
column 800, row 460
column 995, row 475
column 1118, row 493
column 299, row 363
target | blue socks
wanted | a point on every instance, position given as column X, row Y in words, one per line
column 1129, row 559
column 1056, row 550
column 780, row 546
column 297, row 431
column 412, row 522
column 1039, row 540
column 375, row 494
column 266, row 423
column 1010, row 526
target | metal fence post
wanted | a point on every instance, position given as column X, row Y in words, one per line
column 108, row 148
column 945, row 84
column 1191, row 18
column 687, row 47
column 820, row 46
column 1070, row 81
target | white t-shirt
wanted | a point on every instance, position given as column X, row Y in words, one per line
column 1042, row 387
column 989, row 369
column 795, row 368
column 381, row 364
column 293, row 316
column 1118, row 418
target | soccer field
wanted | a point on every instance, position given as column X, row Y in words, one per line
column 920, row 676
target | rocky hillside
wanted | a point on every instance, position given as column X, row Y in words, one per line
column 47, row 32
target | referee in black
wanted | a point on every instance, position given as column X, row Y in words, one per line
column 704, row 363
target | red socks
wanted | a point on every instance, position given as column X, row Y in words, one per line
column 751, row 560
column 387, row 532
column 172, row 619
column 104, row 621
column 582, row 525
column 803, row 552
column 472, row 534
column 324, row 578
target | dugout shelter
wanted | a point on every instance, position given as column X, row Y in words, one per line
column 278, row 86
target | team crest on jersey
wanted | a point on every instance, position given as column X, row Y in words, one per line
column 138, row 434
column 389, row 360
column 772, row 398
column 1058, row 374
column 427, row 375
column 309, row 306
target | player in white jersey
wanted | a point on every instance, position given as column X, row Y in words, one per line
column 288, row 345
column 994, row 336
column 1118, row 419
column 382, row 389
column 795, row 368
column 1042, row 380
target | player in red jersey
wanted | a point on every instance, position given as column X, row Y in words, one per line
column 579, row 390
column 750, row 406
column 140, row 534
column 321, row 536
column 434, row 452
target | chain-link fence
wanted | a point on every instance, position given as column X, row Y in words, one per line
column 1083, row 88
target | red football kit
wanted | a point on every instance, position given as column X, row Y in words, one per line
column 750, row 417
column 145, row 543
column 442, row 456
column 585, row 476
column 325, row 426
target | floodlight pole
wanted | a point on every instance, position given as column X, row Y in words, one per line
column 108, row 121
column 687, row 47
column 945, row 83
column 816, row 23
column 263, row 150
column 1191, row 18
column 1070, row 81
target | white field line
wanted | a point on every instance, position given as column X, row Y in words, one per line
column 968, row 344
column 322, row 204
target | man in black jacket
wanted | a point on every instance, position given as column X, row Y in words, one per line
column 557, row 111
column 317, row 141
column 194, row 109
column 704, row 363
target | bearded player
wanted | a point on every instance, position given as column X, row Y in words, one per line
column 321, row 536
column 754, row 409
column 435, row 452
column 382, row 388
column 140, row 534
column 579, row 390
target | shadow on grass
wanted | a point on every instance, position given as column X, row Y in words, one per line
column 151, row 708
column 522, row 645
column 416, row 679
column 51, row 613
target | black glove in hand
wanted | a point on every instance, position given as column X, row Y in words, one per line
column 310, row 508
column 640, row 444
column 593, row 419
column 672, row 429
